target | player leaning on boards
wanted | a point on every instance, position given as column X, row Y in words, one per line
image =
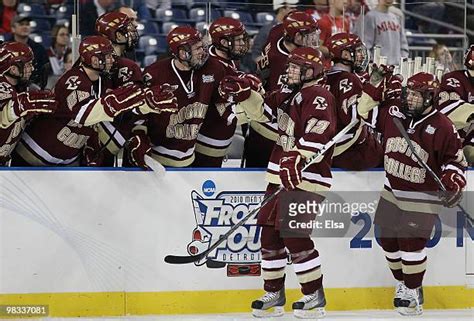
column 59, row 138
column 359, row 150
column 17, row 105
column 230, row 42
column 305, row 124
column 410, row 201
column 456, row 100
column 122, row 32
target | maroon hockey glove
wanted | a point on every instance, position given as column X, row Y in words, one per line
column 160, row 98
column 235, row 89
column 454, row 183
column 122, row 99
column 93, row 155
column 138, row 146
column 255, row 82
column 393, row 87
column 376, row 85
column 291, row 166
column 33, row 103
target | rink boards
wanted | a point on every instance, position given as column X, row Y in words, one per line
column 92, row 243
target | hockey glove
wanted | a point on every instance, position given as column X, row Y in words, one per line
column 138, row 146
column 393, row 88
column 122, row 99
column 160, row 98
column 93, row 155
column 235, row 89
column 33, row 103
column 454, row 183
column 376, row 85
column 291, row 166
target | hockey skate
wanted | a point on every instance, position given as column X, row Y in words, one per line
column 411, row 303
column 310, row 306
column 400, row 290
column 271, row 304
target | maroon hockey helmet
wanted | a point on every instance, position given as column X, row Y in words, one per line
column 301, row 22
column 110, row 23
column 308, row 58
column 96, row 46
column 16, row 54
column 427, row 85
column 226, row 28
column 182, row 36
column 340, row 42
column 469, row 58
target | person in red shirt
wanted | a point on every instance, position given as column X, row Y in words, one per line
column 332, row 23
column 7, row 12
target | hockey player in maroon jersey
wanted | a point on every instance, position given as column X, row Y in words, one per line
column 359, row 149
column 300, row 29
column 59, row 138
column 456, row 100
column 305, row 125
column 17, row 105
column 409, row 202
column 122, row 32
column 194, row 79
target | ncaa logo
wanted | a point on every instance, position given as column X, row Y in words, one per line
column 208, row 188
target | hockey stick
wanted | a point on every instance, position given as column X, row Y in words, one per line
column 155, row 166
column 404, row 133
column 175, row 259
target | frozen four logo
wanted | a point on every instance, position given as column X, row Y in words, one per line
column 215, row 213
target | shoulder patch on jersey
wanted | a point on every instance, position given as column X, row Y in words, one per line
column 6, row 91
column 453, row 82
column 125, row 74
column 320, row 103
column 207, row 78
column 147, row 78
column 430, row 130
column 73, row 83
column 345, row 85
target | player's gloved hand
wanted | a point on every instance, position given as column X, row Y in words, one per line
column 122, row 99
column 33, row 103
column 235, row 89
column 454, row 183
column 92, row 153
column 255, row 83
column 393, row 87
column 138, row 146
column 375, row 87
column 160, row 98
column 291, row 166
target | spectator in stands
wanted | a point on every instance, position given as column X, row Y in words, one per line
column 57, row 53
column 281, row 9
column 321, row 7
column 21, row 31
column 443, row 58
column 139, row 6
column 434, row 9
column 7, row 12
column 157, row 4
column 90, row 11
column 68, row 61
column 379, row 27
column 332, row 23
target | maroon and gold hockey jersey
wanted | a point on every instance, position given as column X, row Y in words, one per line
column 58, row 139
column 358, row 149
column 174, row 135
column 306, row 124
column 115, row 134
column 215, row 135
column 456, row 100
column 11, row 132
column 437, row 142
